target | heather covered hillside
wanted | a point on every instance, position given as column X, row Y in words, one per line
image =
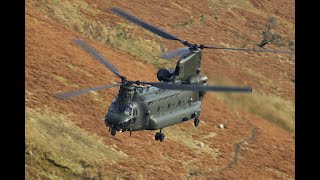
column 67, row 139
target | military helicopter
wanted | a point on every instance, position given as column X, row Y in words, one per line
column 155, row 105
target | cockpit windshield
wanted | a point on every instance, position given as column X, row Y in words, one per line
column 127, row 109
column 116, row 107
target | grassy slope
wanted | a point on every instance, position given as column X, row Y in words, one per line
column 268, row 106
column 63, row 153
column 80, row 16
column 271, row 106
column 56, row 148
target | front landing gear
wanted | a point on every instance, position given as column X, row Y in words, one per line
column 196, row 122
column 159, row 136
column 113, row 131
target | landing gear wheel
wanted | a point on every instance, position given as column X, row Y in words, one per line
column 161, row 137
column 157, row 136
column 196, row 122
column 113, row 131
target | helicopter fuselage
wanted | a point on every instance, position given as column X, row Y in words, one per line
column 151, row 108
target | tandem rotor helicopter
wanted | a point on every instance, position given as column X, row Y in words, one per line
column 155, row 105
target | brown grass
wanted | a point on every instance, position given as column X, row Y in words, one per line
column 268, row 106
column 57, row 148
column 77, row 15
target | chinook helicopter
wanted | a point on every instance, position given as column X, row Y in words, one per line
column 155, row 105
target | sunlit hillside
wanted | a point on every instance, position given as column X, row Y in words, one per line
column 67, row 139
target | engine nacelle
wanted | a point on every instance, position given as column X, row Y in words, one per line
column 198, row 79
column 165, row 74
column 203, row 79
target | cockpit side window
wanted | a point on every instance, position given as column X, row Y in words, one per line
column 113, row 106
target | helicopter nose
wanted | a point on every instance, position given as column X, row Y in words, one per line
column 118, row 121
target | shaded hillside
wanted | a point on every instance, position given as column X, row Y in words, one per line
column 68, row 139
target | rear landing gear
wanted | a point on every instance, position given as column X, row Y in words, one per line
column 159, row 136
column 196, row 122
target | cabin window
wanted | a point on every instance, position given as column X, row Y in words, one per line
column 135, row 112
column 177, row 71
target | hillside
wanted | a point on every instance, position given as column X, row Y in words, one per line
column 68, row 139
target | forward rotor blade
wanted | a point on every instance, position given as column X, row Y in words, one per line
column 144, row 24
column 245, row 49
column 97, row 56
column 197, row 87
column 176, row 53
column 83, row 91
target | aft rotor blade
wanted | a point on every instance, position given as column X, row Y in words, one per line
column 176, row 53
column 245, row 49
column 83, row 91
column 85, row 46
column 197, row 87
column 144, row 24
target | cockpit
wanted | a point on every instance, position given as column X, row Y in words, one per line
column 120, row 115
